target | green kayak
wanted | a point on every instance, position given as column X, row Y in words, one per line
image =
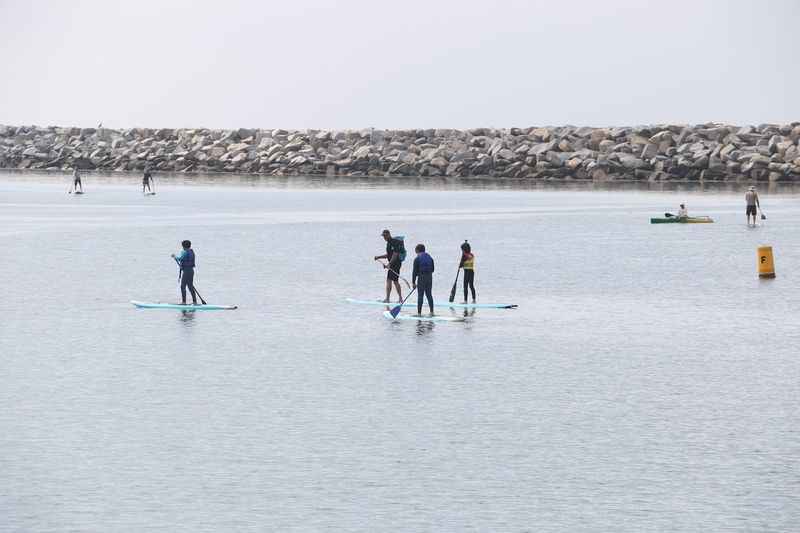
column 684, row 220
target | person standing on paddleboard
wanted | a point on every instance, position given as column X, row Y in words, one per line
column 147, row 179
column 753, row 205
column 395, row 254
column 422, row 278
column 76, row 180
column 468, row 264
column 186, row 263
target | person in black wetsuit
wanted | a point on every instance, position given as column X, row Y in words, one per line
column 395, row 252
column 422, row 277
column 186, row 262
column 76, row 181
column 147, row 180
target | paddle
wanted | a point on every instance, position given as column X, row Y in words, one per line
column 455, row 283
column 396, row 309
column 763, row 216
column 669, row 215
column 180, row 272
column 386, row 266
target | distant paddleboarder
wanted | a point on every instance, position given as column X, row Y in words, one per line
column 753, row 205
column 186, row 262
column 468, row 264
column 76, row 181
column 395, row 254
column 147, row 180
column 422, row 277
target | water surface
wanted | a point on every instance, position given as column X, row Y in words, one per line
column 647, row 382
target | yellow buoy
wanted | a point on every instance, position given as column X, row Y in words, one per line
column 766, row 263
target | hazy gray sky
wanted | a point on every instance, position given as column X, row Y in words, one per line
column 354, row 64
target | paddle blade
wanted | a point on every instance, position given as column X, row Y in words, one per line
column 763, row 216
column 455, row 283
column 396, row 310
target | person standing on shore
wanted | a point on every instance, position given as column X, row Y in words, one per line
column 395, row 254
column 422, row 278
column 186, row 262
column 76, row 181
column 753, row 205
column 147, row 180
column 468, row 264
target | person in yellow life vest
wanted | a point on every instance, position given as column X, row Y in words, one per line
column 468, row 264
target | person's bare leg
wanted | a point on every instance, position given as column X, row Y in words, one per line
column 388, row 290
column 399, row 291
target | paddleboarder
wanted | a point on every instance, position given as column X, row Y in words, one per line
column 753, row 205
column 395, row 254
column 186, row 262
column 76, row 181
column 147, row 179
column 422, row 278
column 683, row 212
column 468, row 264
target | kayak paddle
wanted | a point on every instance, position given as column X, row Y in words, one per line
column 455, row 283
column 396, row 309
column 668, row 215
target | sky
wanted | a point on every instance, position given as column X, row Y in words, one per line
column 411, row 64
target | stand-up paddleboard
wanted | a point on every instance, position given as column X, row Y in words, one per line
column 182, row 307
column 436, row 304
column 149, row 194
column 424, row 318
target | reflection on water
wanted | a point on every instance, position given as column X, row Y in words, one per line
column 187, row 317
column 425, row 327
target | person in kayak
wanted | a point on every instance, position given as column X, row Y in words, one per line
column 186, row 262
column 683, row 212
column 753, row 205
column 76, row 180
column 395, row 253
column 147, row 179
column 468, row 264
column 422, row 278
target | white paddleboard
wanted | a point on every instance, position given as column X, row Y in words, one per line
column 424, row 318
column 436, row 304
column 182, row 307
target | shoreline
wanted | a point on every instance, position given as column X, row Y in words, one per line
column 656, row 154
column 474, row 183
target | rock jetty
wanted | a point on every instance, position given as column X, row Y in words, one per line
column 767, row 152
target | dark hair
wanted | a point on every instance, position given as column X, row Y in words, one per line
column 465, row 247
column 420, row 248
column 186, row 244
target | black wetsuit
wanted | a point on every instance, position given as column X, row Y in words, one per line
column 186, row 262
column 423, row 278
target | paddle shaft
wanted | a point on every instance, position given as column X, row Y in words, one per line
column 396, row 309
column 386, row 266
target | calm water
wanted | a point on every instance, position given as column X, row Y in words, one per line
column 647, row 382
